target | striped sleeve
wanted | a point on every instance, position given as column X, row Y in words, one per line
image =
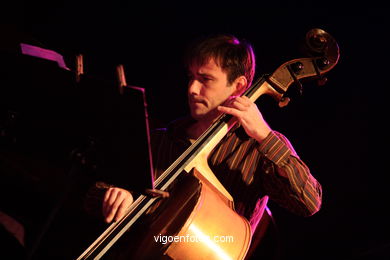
column 296, row 189
column 274, row 149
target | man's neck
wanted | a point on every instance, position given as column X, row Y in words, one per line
column 198, row 128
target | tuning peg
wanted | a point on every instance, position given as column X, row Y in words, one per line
column 284, row 101
column 79, row 67
column 121, row 78
column 295, row 69
column 322, row 63
column 322, row 81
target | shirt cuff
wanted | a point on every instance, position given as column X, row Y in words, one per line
column 274, row 148
column 94, row 198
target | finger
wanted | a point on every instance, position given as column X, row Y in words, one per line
column 244, row 100
column 108, row 213
column 123, row 207
column 106, row 198
column 121, row 198
column 239, row 105
column 229, row 110
column 229, row 101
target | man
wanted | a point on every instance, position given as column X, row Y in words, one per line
column 253, row 162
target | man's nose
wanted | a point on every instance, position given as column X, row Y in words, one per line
column 194, row 87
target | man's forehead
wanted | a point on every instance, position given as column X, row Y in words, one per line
column 208, row 65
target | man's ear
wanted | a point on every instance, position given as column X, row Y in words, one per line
column 241, row 84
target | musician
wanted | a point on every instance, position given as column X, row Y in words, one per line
column 253, row 161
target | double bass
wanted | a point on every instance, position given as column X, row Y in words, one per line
column 198, row 205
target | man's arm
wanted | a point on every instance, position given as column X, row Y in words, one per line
column 287, row 179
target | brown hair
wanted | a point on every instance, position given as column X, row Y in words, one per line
column 233, row 56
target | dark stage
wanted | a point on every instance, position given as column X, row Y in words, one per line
column 338, row 129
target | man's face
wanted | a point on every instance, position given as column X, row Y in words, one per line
column 207, row 89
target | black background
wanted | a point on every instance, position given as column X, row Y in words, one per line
column 338, row 129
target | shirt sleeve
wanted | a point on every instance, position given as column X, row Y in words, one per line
column 287, row 179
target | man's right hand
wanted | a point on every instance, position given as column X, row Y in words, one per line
column 115, row 203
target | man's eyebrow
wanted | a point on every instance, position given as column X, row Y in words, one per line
column 205, row 75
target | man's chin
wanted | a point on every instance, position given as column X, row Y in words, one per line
column 196, row 116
